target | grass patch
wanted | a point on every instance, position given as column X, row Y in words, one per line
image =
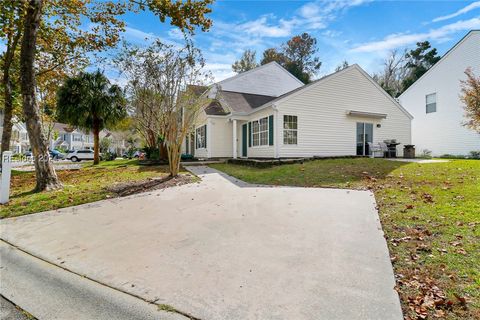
column 88, row 184
column 430, row 214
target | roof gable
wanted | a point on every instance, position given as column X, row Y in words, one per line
column 270, row 79
column 470, row 34
column 323, row 80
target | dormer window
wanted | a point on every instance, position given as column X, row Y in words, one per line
column 431, row 103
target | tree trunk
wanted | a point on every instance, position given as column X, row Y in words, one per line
column 7, row 85
column 96, row 141
column 174, row 159
column 163, row 152
column 8, row 110
column 45, row 173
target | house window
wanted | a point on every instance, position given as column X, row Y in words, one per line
column 290, row 129
column 260, row 132
column 201, row 134
column 431, row 102
column 77, row 137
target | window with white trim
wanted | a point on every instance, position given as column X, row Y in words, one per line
column 431, row 103
column 201, row 133
column 260, row 132
column 290, row 129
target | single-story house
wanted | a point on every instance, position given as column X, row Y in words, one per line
column 267, row 113
column 434, row 101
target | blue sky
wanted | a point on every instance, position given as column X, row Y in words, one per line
column 359, row 31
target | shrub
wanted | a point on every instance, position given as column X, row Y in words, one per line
column 151, row 153
column 474, row 154
column 452, row 156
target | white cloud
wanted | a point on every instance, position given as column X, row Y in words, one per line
column 138, row 35
column 220, row 71
column 400, row 40
column 262, row 28
column 176, row 34
column 317, row 15
column 464, row 10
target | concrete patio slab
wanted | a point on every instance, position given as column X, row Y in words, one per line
column 223, row 249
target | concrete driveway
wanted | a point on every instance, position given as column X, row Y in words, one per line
column 223, row 249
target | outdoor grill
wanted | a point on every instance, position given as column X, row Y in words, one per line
column 392, row 148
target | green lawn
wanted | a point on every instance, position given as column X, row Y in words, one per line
column 431, row 217
column 88, row 184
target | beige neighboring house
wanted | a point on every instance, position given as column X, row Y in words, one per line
column 117, row 139
column 19, row 142
column 434, row 101
column 267, row 113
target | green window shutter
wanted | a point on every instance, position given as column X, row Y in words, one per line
column 206, row 136
column 270, row 130
column 249, row 134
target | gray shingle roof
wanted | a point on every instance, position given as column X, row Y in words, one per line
column 244, row 102
column 216, row 109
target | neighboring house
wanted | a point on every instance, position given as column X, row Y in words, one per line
column 267, row 113
column 118, row 144
column 434, row 102
column 19, row 142
column 70, row 138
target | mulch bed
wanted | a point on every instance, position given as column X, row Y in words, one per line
column 129, row 188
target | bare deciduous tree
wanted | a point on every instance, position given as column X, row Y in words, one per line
column 394, row 72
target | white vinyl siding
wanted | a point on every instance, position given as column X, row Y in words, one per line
column 442, row 132
column 326, row 129
column 221, row 131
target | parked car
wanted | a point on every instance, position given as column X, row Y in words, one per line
column 137, row 155
column 56, row 155
column 79, row 155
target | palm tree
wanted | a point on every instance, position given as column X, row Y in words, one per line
column 88, row 101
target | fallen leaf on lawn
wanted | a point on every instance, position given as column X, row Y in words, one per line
column 427, row 197
column 460, row 299
column 439, row 313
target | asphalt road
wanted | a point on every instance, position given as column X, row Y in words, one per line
column 8, row 311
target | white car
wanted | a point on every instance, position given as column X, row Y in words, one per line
column 79, row 155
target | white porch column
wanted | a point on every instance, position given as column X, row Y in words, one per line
column 276, row 130
column 234, row 139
